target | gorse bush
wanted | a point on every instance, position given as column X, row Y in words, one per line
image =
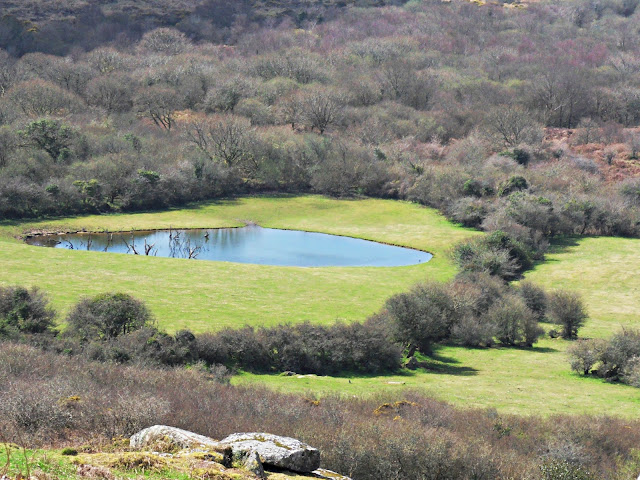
column 497, row 254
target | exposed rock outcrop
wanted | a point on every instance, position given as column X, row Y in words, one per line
column 281, row 452
column 181, row 438
column 252, row 453
column 253, row 464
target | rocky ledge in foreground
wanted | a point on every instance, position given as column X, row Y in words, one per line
column 254, row 453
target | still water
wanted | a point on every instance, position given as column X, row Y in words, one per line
column 250, row 244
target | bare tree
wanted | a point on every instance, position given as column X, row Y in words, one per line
column 159, row 104
column 111, row 92
column 165, row 40
column 6, row 71
column 220, row 138
column 395, row 76
column 513, row 125
column 148, row 248
column 62, row 71
column 38, row 97
column 290, row 109
column 106, row 60
column 321, row 109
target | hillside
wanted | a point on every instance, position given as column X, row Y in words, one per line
column 502, row 138
column 47, row 25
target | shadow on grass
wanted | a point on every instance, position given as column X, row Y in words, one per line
column 559, row 245
column 441, row 364
column 534, row 349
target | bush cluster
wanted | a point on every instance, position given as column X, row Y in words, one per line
column 475, row 309
column 115, row 327
column 472, row 310
column 301, row 348
column 615, row 359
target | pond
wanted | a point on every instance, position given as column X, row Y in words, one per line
column 250, row 244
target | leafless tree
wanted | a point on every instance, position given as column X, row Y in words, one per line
column 148, row 248
column 6, row 71
column 220, row 138
column 165, row 40
column 111, row 92
column 106, row 60
column 159, row 104
column 513, row 125
column 321, row 109
column 39, row 97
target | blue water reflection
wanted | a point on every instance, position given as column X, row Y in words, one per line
column 250, row 244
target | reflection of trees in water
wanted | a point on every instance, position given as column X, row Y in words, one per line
column 181, row 243
column 233, row 236
column 81, row 245
column 183, row 247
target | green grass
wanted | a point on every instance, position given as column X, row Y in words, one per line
column 518, row 381
column 606, row 271
column 203, row 295
column 15, row 461
column 538, row 381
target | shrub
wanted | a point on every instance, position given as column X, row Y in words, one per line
column 24, row 311
column 631, row 372
column 584, row 354
column 535, row 298
column 475, row 256
column 513, row 184
column 567, row 309
column 468, row 211
column 422, row 316
column 497, row 254
column 520, row 155
column 474, row 332
column 514, row 322
column 516, row 249
column 107, row 316
column 621, row 348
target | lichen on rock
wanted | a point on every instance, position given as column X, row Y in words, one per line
column 281, row 452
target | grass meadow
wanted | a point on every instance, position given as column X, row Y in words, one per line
column 534, row 381
column 202, row 295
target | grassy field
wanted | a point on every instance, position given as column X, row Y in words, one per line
column 202, row 295
column 605, row 271
column 522, row 381
column 207, row 295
